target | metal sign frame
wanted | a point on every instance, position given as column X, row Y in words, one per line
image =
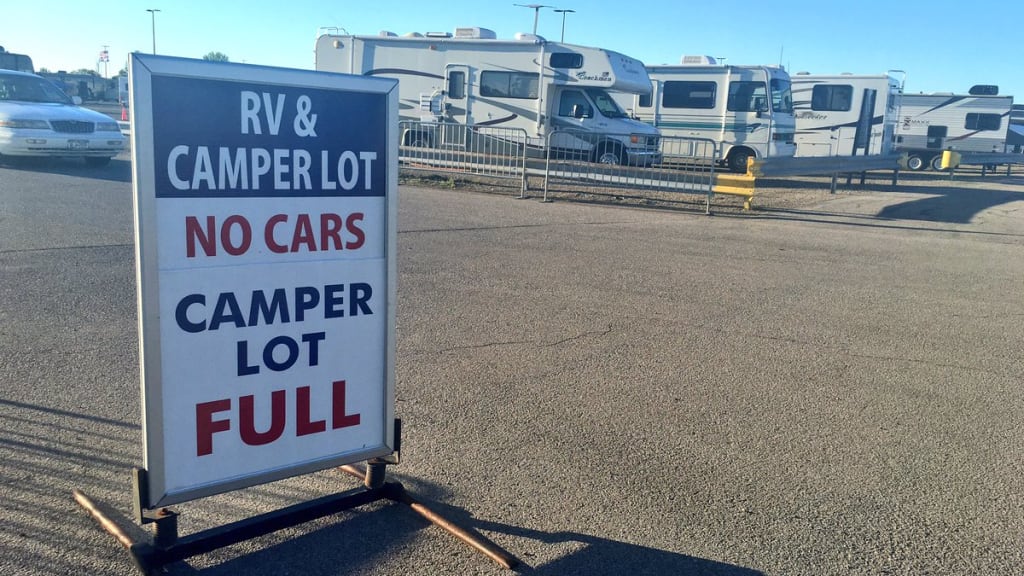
column 158, row 382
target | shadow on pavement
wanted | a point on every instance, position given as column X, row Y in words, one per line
column 377, row 531
column 119, row 170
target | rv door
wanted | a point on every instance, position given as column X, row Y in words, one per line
column 457, row 98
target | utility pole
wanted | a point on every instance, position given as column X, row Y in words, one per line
column 536, row 13
column 152, row 13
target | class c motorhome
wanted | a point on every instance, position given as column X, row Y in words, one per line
column 931, row 123
column 746, row 110
column 474, row 79
column 846, row 114
column 17, row 62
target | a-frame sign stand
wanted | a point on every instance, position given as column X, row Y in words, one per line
column 166, row 546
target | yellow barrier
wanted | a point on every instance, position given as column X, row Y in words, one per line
column 950, row 160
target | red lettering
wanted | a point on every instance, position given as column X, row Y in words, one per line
column 247, row 426
column 303, row 425
column 303, row 234
column 330, row 231
column 338, row 417
column 206, row 426
column 225, row 235
column 194, row 232
column 355, row 230
column 268, row 233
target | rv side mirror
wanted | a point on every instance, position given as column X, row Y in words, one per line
column 577, row 111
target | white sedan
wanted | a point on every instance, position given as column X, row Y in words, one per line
column 38, row 119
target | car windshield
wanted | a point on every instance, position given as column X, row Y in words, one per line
column 30, row 89
column 604, row 103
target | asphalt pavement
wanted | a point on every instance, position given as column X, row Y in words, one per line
column 599, row 390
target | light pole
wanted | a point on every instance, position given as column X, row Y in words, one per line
column 152, row 14
column 563, row 12
column 536, row 13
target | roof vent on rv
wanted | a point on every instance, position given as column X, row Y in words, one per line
column 707, row 60
column 984, row 90
column 387, row 34
column 413, row 35
column 439, row 34
column 476, row 32
column 525, row 37
column 803, row 73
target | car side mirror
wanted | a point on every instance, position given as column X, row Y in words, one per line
column 580, row 111
column 77, row 100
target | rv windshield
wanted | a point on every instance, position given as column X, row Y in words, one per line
column 605, row 104
column 782, row 96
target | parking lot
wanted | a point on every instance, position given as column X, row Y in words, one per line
column 829, row 384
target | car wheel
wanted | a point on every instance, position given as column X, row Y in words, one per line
column 914, row 162
column 96, row 162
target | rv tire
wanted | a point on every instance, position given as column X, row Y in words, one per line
column 737, row 160
column 608, row 154
column 915, row 162
column 937, row 163
column 418, row 139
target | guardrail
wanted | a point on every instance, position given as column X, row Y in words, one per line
column 782, row 167
column 490, row 151
column 580, row 161
column 986, row 160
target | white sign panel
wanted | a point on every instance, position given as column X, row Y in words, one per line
column 266, row 213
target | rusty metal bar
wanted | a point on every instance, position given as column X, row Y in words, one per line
column 105, row 522
column 396, row 492
column 142, row 553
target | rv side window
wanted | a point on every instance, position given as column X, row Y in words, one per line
column 832, row 98
column 645, row 100
column 747, row 97
column 509, row 85
column 566, row 60
column 688, row 94
column 976, row 121
column 456, row 85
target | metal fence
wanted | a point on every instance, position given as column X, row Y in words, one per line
column 489, row 151
column 577, row 160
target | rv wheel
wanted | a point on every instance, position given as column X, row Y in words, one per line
column 608, row 154
column 738, row 160
column 937, row 163
column 417, row 139
column 914, row 162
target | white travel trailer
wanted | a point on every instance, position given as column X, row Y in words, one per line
column 846, row 114
column 747, row 110
column 474, row 79
column 931, row 123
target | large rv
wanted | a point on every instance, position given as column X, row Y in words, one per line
column 12, row 61
column 746, row 110
column 474, row 79
column 931, row 123
column 846, row 115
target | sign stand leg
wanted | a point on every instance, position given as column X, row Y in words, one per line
column 167, row 547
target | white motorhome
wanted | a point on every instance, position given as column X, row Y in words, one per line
column 931, row 123
column 473, row 78
column 747, row 110
column 846, row 114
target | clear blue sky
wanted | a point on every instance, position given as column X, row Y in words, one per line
column 943, row 45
